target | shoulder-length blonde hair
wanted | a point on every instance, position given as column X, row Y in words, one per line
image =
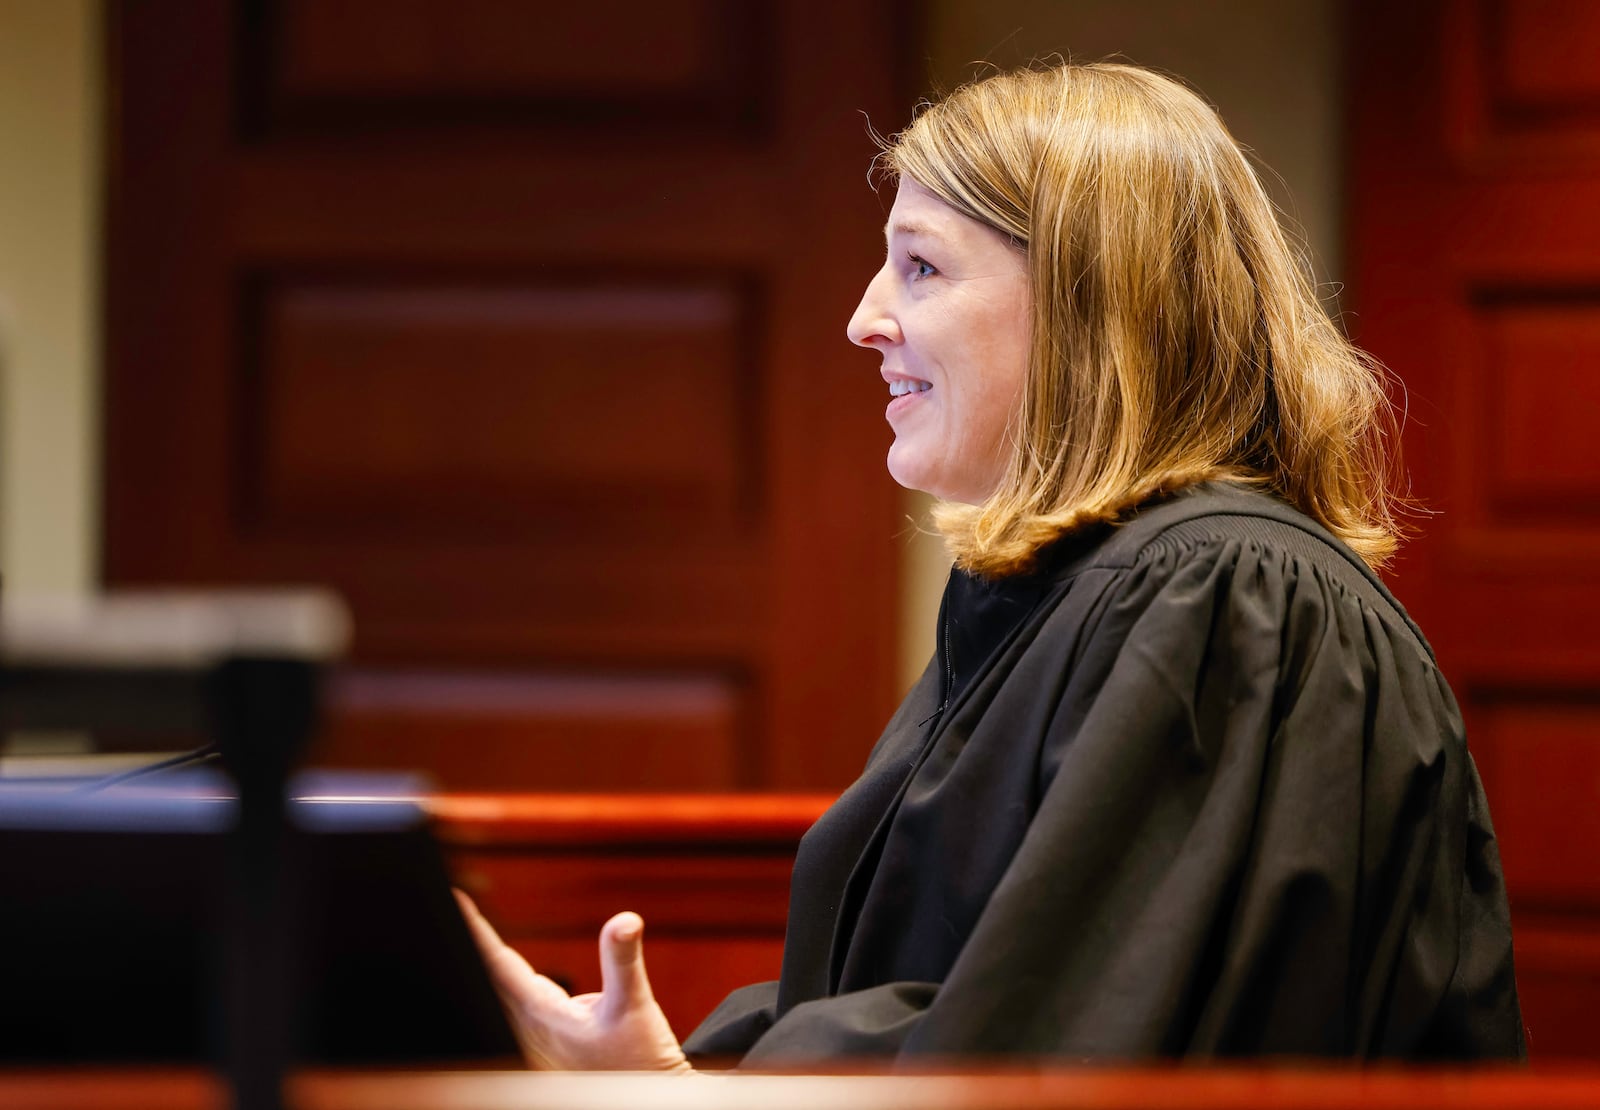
column 1177, row 335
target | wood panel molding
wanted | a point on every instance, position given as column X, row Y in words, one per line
column 1521, row 80
column 1475, row 251
column 1547, row 826
column 454, row 408
column 1542, row 57
column 1558, row 977
column 553, row 820
column 1536, row 460
column 319, row 70
column 1512, row 415
column 478, row 730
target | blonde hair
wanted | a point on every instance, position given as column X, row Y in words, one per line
column 1177, row 335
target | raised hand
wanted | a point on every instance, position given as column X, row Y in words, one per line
column 620, row 1029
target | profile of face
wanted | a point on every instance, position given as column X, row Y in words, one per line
column 949, row 314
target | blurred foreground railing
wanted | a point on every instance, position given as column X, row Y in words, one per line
column 1175, row 1088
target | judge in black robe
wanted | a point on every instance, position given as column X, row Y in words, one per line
column 1182, row 779
column 1195, row 786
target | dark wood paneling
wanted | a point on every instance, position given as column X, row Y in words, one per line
column 521, row 329
column 1543, row 55
column 364, row 66
column 1518, row 80
column 671, row 890
column 1558, row 978
column 1475, row 266
column 385, row 409
column 1548, row 824
column 1541, row 393
column 477, row 731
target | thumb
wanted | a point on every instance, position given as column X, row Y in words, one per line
column 623, row 982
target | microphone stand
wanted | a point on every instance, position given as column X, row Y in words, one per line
column 264, row 711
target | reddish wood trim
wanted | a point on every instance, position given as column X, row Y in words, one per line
column 1177, row 1088
column 591, row 819
column 113, row 1088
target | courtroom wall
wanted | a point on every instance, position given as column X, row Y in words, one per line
column 49, row 278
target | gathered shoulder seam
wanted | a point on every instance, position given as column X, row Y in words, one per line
column 1219, row 513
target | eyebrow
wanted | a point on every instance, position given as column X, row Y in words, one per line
column 908, row 227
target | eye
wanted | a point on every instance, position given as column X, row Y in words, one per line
column 920, row 267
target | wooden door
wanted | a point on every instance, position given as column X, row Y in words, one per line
column 1475, row 235
column 520, row 325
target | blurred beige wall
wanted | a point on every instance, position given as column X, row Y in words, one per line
column 49, row 285
column 1271, row 67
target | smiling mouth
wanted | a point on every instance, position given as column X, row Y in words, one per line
column 901, row 386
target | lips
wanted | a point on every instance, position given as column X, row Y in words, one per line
column 907, row 401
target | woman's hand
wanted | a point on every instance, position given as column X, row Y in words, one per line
column 619, row 1029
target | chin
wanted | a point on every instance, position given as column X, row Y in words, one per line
column 925, row 475
column 906, row 472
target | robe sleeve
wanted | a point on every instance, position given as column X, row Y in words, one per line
column 1257, row 832
column 737, row 1023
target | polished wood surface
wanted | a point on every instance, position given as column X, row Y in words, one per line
column 1175, row 1088
column 462, row 820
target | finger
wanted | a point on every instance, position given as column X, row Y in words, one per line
column 482, row 932
column 512, row 976
column 490, row 946
column 623, row 982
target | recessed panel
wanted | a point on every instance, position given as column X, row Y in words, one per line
column 1539, row 755
column 356, row 65
column 1541, row 395
column 1546, row 51
column 1558, row 984
column 1521, row 88
column 455, row 411
column 522, row 732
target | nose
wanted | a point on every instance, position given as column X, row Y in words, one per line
column 873, row 323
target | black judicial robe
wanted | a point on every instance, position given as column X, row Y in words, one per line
column 1194, row 788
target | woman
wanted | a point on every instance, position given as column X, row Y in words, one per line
column 1182, row 778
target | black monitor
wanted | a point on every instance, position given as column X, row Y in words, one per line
column 112, row 906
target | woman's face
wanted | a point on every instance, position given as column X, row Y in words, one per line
column 949, row 314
